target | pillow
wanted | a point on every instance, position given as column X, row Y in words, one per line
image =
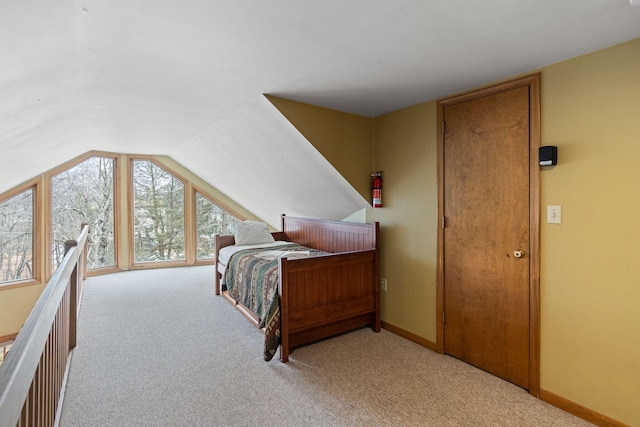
column 251, row 233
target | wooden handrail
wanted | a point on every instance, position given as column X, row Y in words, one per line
column 31, row 377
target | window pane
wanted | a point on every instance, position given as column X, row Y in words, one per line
column 210, row 219
column 16, row 237
column 158, row 212
column 84, row 194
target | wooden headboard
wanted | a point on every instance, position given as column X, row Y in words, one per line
column 331, row 236
column 326, row 235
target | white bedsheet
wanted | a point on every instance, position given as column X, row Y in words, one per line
column 283, row 254
column 227, row 251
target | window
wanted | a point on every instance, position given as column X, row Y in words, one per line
column 158, row 214
column 84, row 194
column 210, row 219
column 16, row 236
column 141, row 227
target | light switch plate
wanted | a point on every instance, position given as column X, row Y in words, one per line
column 554, row 215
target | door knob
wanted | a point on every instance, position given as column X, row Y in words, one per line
column 518, row 254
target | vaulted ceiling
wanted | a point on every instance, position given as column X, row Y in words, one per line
column 186, row 78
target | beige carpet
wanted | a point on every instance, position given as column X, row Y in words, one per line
column 157, row 348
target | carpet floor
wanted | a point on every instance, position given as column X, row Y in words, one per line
column 158, row 348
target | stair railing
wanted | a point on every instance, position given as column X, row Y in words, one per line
column 33, row 374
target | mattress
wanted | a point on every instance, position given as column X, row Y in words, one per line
column 228, row 251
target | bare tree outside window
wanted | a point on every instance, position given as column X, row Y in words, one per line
column 84, row 194
column 16, row 237
column 158, row 214
column 210, row 219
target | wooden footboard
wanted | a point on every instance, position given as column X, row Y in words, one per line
column 324, row 296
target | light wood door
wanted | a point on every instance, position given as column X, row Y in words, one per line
column 486, row 233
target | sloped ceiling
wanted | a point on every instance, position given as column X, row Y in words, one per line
column 183, row 78
column 255, row 150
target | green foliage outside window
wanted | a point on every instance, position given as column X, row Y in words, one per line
column 158, row 212
column 210, row 220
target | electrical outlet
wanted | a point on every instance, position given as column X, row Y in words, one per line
column 383, row 285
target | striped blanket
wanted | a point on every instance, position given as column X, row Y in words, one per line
column 251, row 278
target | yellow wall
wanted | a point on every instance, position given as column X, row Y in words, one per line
column 15, row 306
column 590, row 264
column 405, row 151
column 343, row 139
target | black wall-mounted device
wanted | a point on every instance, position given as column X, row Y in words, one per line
column 548, row 155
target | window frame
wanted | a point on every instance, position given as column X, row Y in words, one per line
column 188, row 242
column 194, row 230
column 122, row 215
column 116, row 209
column 35, row 186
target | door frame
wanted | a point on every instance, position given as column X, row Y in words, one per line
column 533, row 82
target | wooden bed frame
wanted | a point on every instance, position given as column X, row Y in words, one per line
column 322, row 296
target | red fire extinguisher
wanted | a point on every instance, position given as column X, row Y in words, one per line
column 376, row 189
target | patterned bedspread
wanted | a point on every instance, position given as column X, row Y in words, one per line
column 251, row 278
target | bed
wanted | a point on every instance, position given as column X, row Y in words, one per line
column 327, row 279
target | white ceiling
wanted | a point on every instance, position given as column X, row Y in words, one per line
column 143, row 76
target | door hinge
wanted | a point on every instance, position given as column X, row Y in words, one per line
column 443, row 318
column 443, row 127
column 444, row 222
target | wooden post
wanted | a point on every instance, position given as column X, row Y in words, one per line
column 216, row 276
column 85, row 252
column 73, row 296
column 283, row 291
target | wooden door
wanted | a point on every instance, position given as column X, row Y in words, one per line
column 486, row 234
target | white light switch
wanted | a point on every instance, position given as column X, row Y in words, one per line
column 554, row 215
